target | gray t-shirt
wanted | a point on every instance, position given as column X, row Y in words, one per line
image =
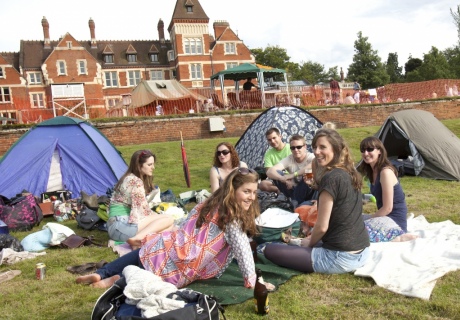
column 346, row 230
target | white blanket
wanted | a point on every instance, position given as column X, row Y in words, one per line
column 411, row 268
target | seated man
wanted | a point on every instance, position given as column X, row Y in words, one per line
column 248, row 84
column 278, row 150
column 288, row 173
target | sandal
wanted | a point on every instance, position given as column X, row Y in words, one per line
column 8, row 275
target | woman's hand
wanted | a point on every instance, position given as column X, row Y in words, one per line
column 269, row 286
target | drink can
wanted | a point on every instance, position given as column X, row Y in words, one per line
column 40, row 271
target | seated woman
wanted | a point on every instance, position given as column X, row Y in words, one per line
column 389, row 223
column 339, row 242
column 225, row 161
column 130, row 217
column 205, row 242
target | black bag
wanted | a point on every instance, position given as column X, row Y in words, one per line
column 21, row 213
column 8, row 241
column 201, row 306
column 88, row 219
column 273, row 200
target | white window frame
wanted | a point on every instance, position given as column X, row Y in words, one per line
column 111, row 79
column 196, row 71
column 2, row 73
column 134, row 77
column 37, row 100
column 112, row 102
column 230, row 65
column 108, row 58
column 170, row 55
column 61, row 68
column 131, row 57
column 230, row 48
column 69, row 44
column 81, row 66
column 3, row 94
column 156, row 75
column 35, row 77
column 154, row 57
column 193, row 46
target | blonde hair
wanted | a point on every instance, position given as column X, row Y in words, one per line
column 329, row 125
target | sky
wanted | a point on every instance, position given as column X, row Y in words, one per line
column 321, row 31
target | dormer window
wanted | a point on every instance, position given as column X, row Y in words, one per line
column 153, row 57
column 108, row 58
column 189, row 8
column 131, row 57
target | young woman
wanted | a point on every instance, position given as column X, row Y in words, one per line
column 389, row 223
column 225, row 161
column 130, row 217
column 339, row 241
column 204, row 243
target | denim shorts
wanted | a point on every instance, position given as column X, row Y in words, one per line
column 331, row 261
column 120, row 229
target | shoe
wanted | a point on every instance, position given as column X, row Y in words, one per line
column 108, row 303
column 8, row 275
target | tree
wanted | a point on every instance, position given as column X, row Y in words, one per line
column 434, row 66
column 456, row 16
column 393, row 68
column 412, row 64
column 367, row 67
column 309, row 71
column 272, row 56
column 453, row 60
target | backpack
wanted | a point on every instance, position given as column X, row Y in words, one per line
column 21, row 213
column 88, row 219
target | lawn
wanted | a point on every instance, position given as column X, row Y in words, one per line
column 313, row 296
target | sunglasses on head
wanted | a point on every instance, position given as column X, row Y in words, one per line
column 224, row 152
column 368, row 149
column 297, row 147
column 245, row 171
column 145, row 153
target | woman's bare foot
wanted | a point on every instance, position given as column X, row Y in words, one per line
column 405, row 237
column 89, row 279
column 134, row 243
column 105, row 283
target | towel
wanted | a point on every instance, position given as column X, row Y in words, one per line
column 148, row 292
column 412, row 268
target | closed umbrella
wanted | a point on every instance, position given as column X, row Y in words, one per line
column 185, row 162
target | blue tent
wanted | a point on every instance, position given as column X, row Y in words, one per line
column 62, row 153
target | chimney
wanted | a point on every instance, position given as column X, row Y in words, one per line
column 219, row 28
column 161, row 31
column 46, row 33
column 92, row 30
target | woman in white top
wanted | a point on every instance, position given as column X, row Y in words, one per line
column 225, row 161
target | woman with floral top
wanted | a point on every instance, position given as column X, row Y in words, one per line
column 130, row 217
column 203, row 244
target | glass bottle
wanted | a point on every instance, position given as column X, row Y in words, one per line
column 260, row 295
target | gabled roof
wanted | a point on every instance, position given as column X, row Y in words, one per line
column 181, row 15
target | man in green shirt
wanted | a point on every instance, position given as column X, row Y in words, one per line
column 278, row 150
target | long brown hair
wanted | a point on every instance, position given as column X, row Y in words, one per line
column 223, row 199
column 233, row 154
column 382, row 161
column 342, row 157
column 137, row 161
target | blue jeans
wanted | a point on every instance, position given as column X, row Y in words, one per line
column 300, row 193
column 117, row 265
column 331, row 261
column 120, row 229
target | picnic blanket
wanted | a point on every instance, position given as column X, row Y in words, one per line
column 229, row 288
column 412, row 268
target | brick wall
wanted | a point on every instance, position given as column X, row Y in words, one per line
column 158, row 130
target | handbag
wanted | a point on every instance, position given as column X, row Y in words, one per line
column 21, row 213
column 87, row 219
column 75, row 241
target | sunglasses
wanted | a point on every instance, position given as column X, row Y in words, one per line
column 245, row 171
column 368, row 149
column 297, row 147
column 224, row 152
column 145, row 153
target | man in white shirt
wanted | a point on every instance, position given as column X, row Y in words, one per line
column 288, row 173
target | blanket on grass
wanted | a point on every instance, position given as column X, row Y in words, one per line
column 229, row 288
column 412, row 268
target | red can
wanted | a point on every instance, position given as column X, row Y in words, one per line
column 40, row 271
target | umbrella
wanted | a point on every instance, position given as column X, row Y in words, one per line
column 184, row 161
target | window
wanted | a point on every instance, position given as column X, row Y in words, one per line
column 82, row 67
column 111, row 79
column 131, row 57
column 134, row 77
column 195, row 71
column 112, row 102
column 189, row 8
column 108, row 58
column 156, row 75
column 37, row 100
column 154, row 57
column 170, row 55
column 1, row 72
column 5, row 94
column 230, row 48
column 61, row 68
column 193, row 46
column 69, row 44
column 232, row 65
column 35, row 78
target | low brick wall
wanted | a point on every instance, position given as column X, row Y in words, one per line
column 159, row 130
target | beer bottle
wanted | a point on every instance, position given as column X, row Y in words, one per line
column 260, row 294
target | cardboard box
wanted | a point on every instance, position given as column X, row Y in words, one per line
column 47, row 208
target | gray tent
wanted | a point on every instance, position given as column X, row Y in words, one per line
column 434, row 148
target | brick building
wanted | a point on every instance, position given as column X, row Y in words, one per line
column 80, row 78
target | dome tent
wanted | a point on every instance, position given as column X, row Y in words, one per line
column 61, row 153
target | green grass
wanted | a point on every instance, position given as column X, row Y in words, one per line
column 313, row 296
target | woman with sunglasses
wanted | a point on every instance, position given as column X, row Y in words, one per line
column 389, row 223
column 339, row 242
column 130, row 216
column 225, row 161
column 203, row 244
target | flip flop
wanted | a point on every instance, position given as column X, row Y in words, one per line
column 8, row 275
